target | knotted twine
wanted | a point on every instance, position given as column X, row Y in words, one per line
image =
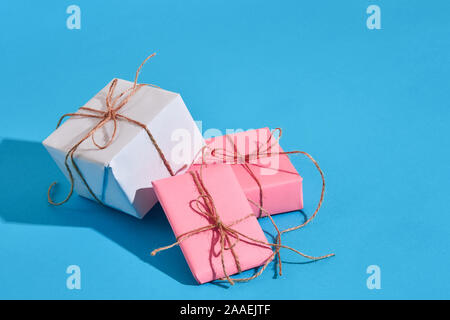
column 264, row 150
column 113, row 105
column 204, row 205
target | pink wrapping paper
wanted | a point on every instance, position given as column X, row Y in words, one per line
column 202, row 250
column 281, row 184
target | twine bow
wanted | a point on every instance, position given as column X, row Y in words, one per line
column 228, row 236
column 235, row 157
column 113, row 105
column 264, row 150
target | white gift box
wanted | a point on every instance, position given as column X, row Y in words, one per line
column 121, row 175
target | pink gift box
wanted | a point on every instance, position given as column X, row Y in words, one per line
column 280, row 182
column 202, row 250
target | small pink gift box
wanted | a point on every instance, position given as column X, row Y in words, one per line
column 202, row 250
column 270, row 174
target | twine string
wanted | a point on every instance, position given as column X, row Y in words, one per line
column 113, row 105
column 204, row 205
column 262, row 151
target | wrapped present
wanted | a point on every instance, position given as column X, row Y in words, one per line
column 213, row 223
column 262, row 168
column 208, row 212
column 125, row 137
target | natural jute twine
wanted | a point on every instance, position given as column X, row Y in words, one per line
column 113, row 105
column 228, row 236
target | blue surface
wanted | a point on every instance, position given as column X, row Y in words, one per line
column 371, row 105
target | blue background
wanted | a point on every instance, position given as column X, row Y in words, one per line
column 371, row 105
